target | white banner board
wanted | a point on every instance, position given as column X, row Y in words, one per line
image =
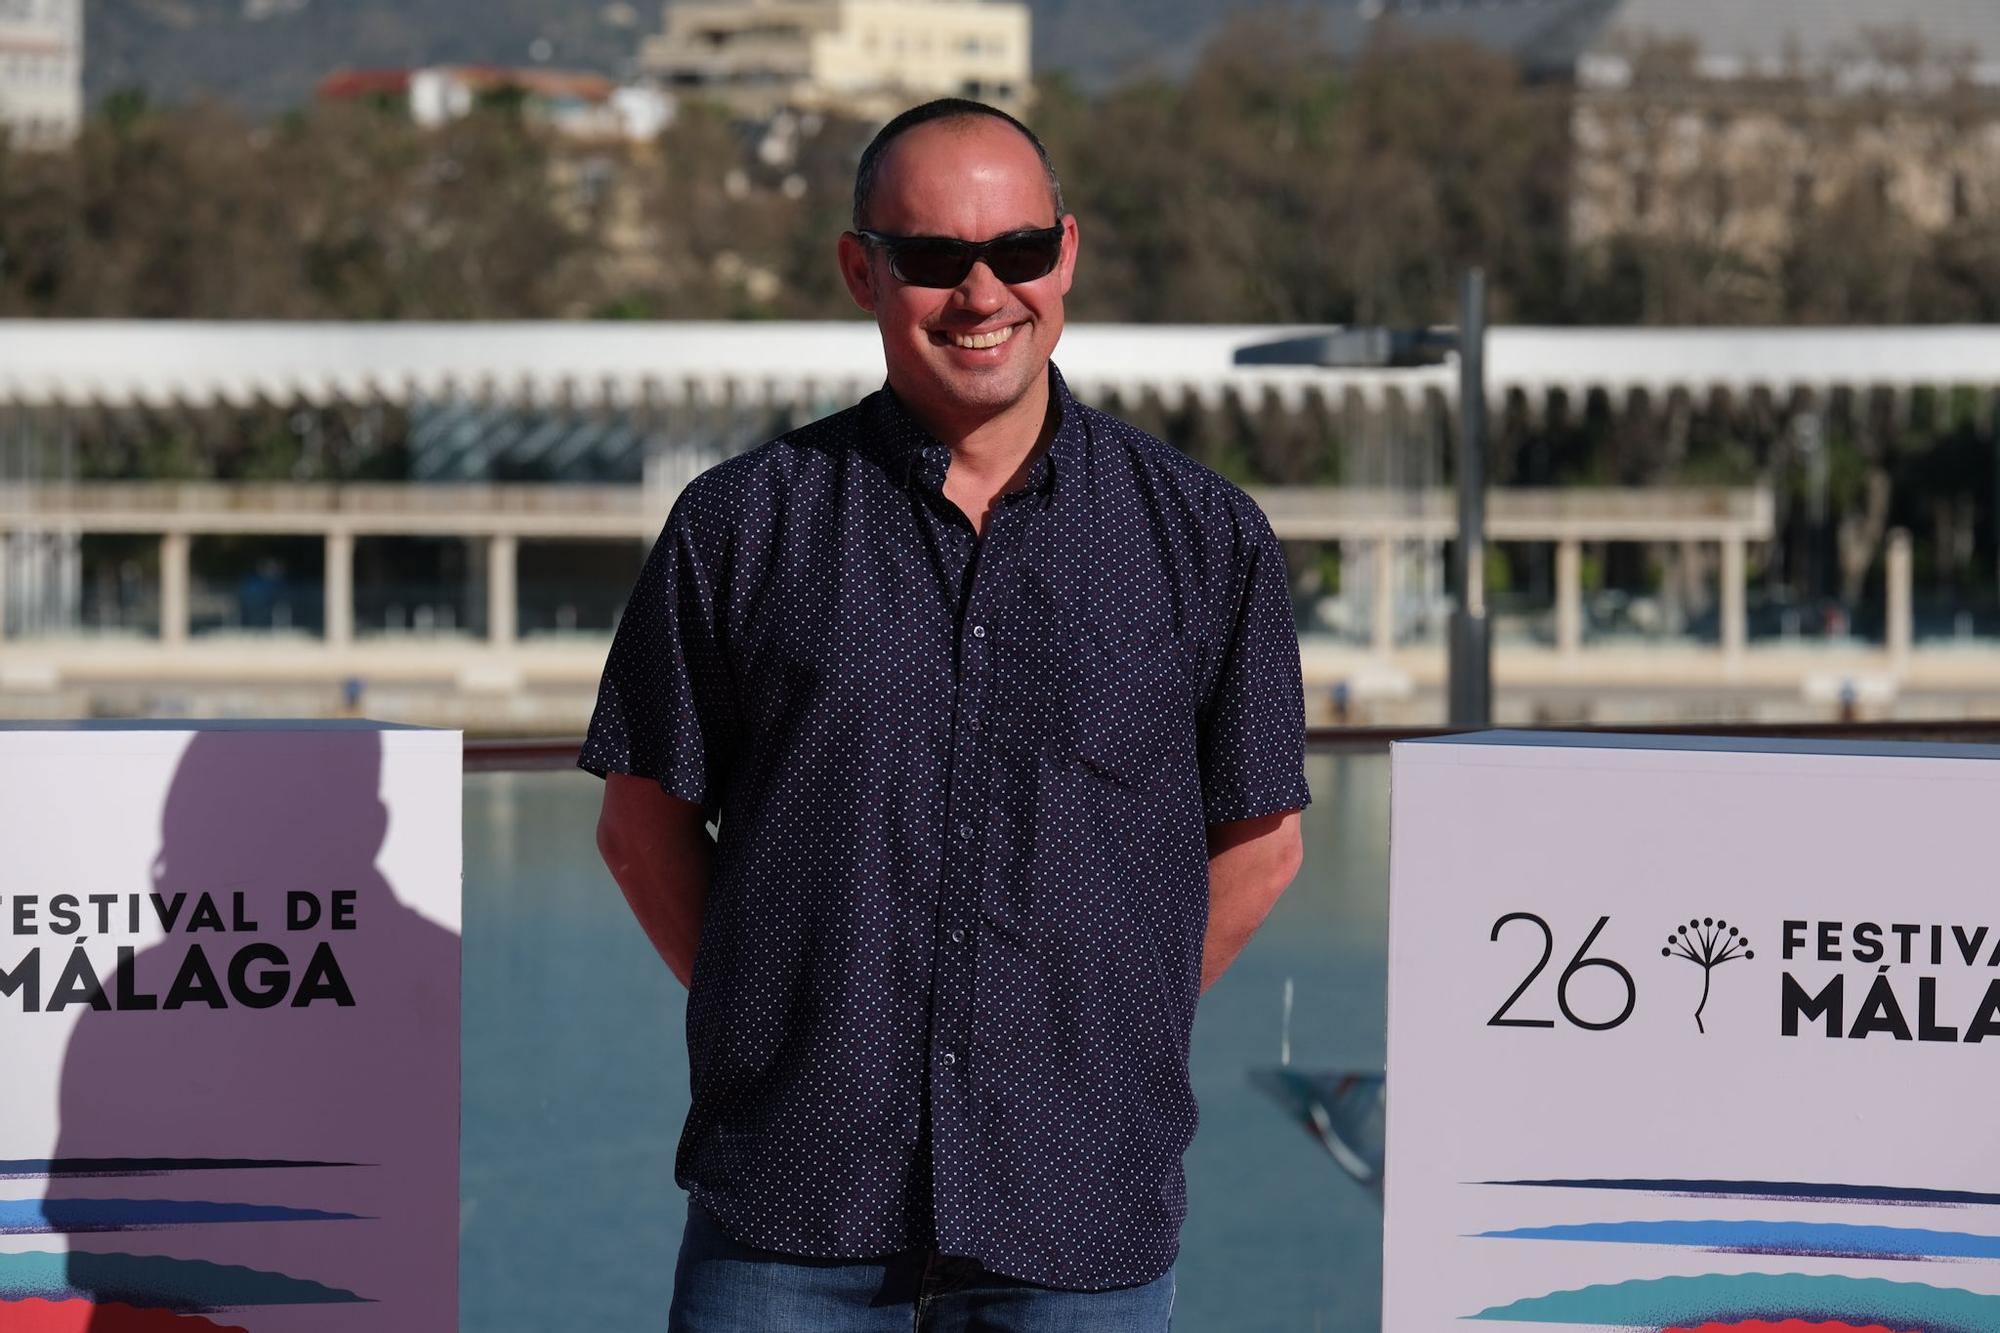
column 1693, row 1035
column 229, row 1027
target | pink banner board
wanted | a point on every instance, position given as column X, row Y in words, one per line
column 1692, row 1035
column 229, row 1025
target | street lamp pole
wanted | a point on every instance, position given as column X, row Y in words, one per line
column 1469, row 691
column 1470, row 681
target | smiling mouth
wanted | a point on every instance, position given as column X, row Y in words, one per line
column 975, row 341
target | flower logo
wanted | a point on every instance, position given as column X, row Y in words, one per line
column 1709, row 942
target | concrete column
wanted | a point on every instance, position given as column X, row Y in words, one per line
column 1382, row 627
column 1569, row 597
column 339, row 585
column 1901, row 629
column 174, row 588
column 1735, row 615
column 502, row 552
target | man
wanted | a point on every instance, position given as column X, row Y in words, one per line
column 997, row 700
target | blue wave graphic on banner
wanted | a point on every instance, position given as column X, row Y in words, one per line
column 1827, row 1239
column 1770, row 1189
column 47, row 1168
column 28, row 1217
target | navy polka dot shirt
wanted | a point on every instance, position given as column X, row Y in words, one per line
column 952, row 943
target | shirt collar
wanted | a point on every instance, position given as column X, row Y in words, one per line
column 913, row 454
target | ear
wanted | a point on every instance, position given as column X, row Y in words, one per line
column 856, row 271
column 1066, row 266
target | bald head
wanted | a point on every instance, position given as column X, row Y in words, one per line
column 946, row 115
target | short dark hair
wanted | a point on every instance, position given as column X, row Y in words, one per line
column 944, row 108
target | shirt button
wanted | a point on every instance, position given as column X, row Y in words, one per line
column 976, row 725
column 965, row 830
column 950, row 1059
column 979, row 631
column 958, row 937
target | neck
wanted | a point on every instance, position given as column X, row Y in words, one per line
column 998, row 445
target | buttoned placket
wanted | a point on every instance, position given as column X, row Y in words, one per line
column 956, row 1172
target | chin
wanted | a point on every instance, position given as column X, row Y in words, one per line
column 995, row 386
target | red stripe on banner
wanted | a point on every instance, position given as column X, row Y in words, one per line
column 36, row 1315
column 1791, row 1325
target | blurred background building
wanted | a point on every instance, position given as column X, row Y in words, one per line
column 41, row 70
column 1737, row 124
column 580, row 104
column 1722, row 123
column 852, row 57
column 361, row 347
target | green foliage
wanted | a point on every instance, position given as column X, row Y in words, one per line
column 170, row 454
column 1590, row 571
column 1727, row 460
column 334, row 213
column 1326, row 567
column 123, row 108
column 630, row 306
column 508, row 99
column 1280, row 181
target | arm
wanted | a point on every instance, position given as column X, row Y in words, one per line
column 657, row 848
column 1250, row 861
column 1252, row 745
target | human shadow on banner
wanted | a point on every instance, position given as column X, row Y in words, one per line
column 262, row 1122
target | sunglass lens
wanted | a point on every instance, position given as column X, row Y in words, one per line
column 1024, row 258
column 931, row 263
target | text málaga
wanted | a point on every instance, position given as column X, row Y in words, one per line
column 1900, row 1006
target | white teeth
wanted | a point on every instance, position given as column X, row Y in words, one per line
column 993, row 339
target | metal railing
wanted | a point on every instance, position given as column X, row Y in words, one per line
column 546, row 754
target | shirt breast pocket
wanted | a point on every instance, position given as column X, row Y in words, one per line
column 1125, row 709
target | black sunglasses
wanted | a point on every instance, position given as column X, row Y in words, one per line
column 942, row 261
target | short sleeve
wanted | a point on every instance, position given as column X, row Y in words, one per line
column 1252, row 725
column 665, row 708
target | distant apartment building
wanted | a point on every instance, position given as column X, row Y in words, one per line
column 41, row 71
column 581, row 105
column 866, row 58
column 1729, row 122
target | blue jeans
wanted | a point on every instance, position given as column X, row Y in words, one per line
column 721, row 1286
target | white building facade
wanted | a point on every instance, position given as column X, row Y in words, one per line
column 41, row 71
column 867, row 58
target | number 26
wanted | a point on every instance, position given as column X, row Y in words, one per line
column 1576, row 965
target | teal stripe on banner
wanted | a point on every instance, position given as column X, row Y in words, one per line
column 1775, row 1297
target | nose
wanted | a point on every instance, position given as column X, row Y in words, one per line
column 980, row 291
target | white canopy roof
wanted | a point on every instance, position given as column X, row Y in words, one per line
column 115, row 363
